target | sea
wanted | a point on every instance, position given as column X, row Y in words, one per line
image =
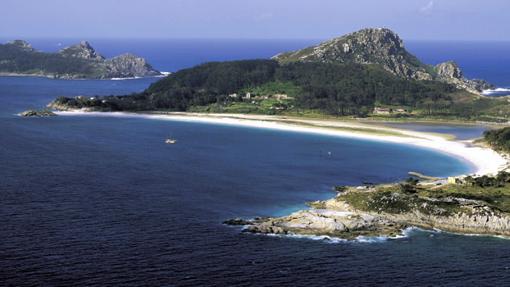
column 103, row 201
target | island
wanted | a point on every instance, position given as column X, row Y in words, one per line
column 368, row 73
column 360, row 77
column 81, row 61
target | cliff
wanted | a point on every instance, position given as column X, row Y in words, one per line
column 74, row 62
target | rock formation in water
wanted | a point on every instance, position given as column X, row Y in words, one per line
column 37, row 113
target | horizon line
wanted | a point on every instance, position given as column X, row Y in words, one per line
column 12, row 38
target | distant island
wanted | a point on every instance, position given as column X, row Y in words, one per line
column 81, row 61
column 368, row 73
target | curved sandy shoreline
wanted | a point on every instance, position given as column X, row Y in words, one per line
column 485, row 160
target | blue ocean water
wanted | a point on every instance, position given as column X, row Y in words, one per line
column 103, row 201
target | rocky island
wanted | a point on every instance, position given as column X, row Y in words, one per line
column 37, row 113
column 80, row 61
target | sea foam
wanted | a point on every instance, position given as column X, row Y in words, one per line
column 497, row 92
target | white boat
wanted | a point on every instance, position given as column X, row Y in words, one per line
column 170, row 141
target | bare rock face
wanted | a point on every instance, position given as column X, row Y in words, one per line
column 82, row 50
column 129, row 65
column 451, row 73
column 449, row 70
column 368, row 46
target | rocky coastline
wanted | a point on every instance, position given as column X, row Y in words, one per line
column 357, row 212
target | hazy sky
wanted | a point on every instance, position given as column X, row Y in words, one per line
column 412, row 19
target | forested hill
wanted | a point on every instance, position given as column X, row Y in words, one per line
column 74, row 62
column 266, row 86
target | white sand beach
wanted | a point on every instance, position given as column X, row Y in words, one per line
column 484, row 160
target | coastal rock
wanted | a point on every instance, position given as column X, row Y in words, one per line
column 347, row 224
column 129, row 65
column 451, row 73
column 476, row 220
column 237, row 221
column 38, row 113
column 368, row 46
column 387, row 214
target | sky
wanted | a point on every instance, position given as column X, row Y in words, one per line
column 457, row 20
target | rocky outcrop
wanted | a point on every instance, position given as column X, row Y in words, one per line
column 37, row 113
column 83, row 50
column 451, row 73
column 368, row 46
column 475, row 220
column 337, row 218
column 129, row 65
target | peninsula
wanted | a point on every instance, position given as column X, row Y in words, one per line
column 81, row 61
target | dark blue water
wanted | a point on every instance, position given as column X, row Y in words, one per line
column 103, row 201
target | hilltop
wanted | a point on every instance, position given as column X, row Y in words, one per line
column 75, row 62
column 382, row 47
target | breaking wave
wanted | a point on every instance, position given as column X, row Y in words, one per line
column 497, row 92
